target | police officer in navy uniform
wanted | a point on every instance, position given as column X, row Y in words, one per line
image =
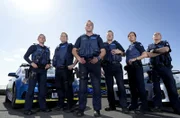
column 89, row 50
column 113, row 68
column 159, row 53
column 40, row 62
column 134, row 54
column 63, row 63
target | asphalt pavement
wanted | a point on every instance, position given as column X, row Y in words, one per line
column 7, row 112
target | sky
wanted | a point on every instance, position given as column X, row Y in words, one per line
column 21, row 21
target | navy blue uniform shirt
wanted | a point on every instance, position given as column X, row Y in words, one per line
column 135, row 50
column 78, row 42
column 163, row 58
column 32, row 49
column 109, row 56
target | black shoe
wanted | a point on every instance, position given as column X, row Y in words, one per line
column 132, row 108
column 97, row 114
column 177, row 111
column 110, row 109
column 59, row 108
column 44, row 110
column 125, row 110
column 69, row 110
column 79, row 113
column 142, row 110
column 157, row 109
column 28, row 112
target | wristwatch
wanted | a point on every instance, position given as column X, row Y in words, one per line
column 98, row 58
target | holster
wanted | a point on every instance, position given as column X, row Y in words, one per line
column 137, row 64
column 32, row 75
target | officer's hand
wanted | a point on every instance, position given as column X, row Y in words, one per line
column 81, row 60
column 132, row 60
column 70, row 67
column 152, row 50
column 34, row 65
column 48, row 66
column 116, row 51
column 94, row 60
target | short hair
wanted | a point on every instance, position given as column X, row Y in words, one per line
column 42, row 35
column 132, row 33
column 110, row 31
column 65, row 34
column 90, row 22
column 158, row 34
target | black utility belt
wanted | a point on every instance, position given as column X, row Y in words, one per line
column 161, row 65
column 61, row 67
column 41, row 66
column 135, row 64
column 113, row 62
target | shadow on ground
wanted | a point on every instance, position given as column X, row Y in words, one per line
column 60, row 114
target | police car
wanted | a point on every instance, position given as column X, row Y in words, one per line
column 149, row 85
column 17, row 87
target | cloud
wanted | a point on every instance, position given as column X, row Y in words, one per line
column 9, row 59
column 2, row 51
column 17, row 56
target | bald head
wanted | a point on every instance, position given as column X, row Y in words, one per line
column 157, row 37
column 89, row 26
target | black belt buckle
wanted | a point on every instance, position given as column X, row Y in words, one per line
column 61, row 67
column 41, row 66
column 115, row 62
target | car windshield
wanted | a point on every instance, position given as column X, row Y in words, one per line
column 177, row 79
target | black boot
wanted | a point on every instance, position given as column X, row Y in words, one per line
column 110, row 109
column 79, row 113
column 157, row 109
column 97, row 114
column 28, row 112
column 125, row 110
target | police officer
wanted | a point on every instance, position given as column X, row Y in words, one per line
column 40, row 62
column 63, row 62
column 134, row 54
column 159, row 53
column 113, row 68
column 90, row 51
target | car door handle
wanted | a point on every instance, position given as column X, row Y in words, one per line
column 10, row 80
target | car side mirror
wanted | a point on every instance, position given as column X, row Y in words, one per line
column 13, row 75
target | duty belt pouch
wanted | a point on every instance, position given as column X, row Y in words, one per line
column 27, row 72
column 104, row 63
column 32, row 75
column 137, row 64
column 77, row 73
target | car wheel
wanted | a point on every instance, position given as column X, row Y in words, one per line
column 13, row 103
column 6, row 99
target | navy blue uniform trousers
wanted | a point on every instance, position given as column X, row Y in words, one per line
column 166, row 75
column 64, row 87
column 115, row 70
column 137, row 86
column 41, row 78
column 95, row 75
